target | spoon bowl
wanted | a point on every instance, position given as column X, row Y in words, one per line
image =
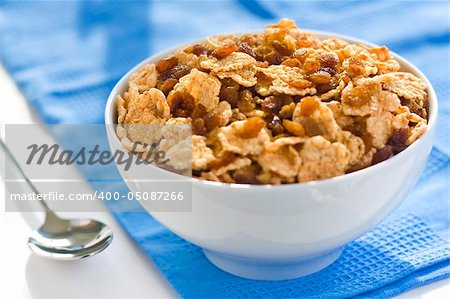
column 63, row 239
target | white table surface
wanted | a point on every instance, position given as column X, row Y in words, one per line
column 121, row 271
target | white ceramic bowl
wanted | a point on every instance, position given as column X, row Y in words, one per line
column 287, row 231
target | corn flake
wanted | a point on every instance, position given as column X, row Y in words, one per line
column 202, row 87
column 238, row 163
column 283, row 141
column 403, row 84
column 379, row 125
column 322, row 159
column 238, row 66
column 354, row 144
column 416, row 132
column 148, row 107
column 359, row 100
column 190, row 60
column 179, row 156
column 334, row 93
column 281, row 79
column 121, row 110
column 145, row 78
column 285, row 161
column 201, row 154
column 232, row 141
column 312, row 113
column 344, row 121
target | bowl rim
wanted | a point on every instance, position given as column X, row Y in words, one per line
column 432, row 115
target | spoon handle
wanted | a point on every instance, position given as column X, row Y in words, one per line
column 22, row 173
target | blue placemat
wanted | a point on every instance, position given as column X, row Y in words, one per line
column 66, row 57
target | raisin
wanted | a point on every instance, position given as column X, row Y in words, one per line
column 224, row 51
column 368, row 142
column 165, row 75
column 414, row 107
column 292, row 62
column 329, row 69
column 181, row 113
column 175, row 103
column 426, row 108
column 167, row 85
column 286, row 99
column 398, row 140
column 260, row 57
column 199, row 64
column 308, row 105
column 294, row 128
column 357, row 167
column 311, row 127
column 332, row 84
column 300, row 54
column 199, row 111
column 328, row 60
column 273, row 58
column 287, row 110
column 248, row 39
column 272, row 104
column 198, row 126
column 320, row 77
column 300, row 84
column 182, row 105
column 175, row 72
column 275, row 125
column 200, row 50
column 196, row 173
column 279, row 34
column 359, row 128
column 212, row 121
column 166, row 64
column 297, row 98
column 382, row 154
column 355, row 67
column 188, row 103
column 311, row 66
column 324, row 88
column 237, row 116
column 282, row 48
column 245, row 176
column 229, row 92
column 252, row 127
column 245, row 102
column 245, row 48
column 179, row 71
column 223, row 160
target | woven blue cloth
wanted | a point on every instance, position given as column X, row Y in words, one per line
column 66, row 57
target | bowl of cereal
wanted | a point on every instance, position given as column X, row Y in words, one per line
column 299, row 142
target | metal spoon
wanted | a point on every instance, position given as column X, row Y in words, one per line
column 64, row 239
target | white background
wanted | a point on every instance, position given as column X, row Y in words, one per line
column 121, row 271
